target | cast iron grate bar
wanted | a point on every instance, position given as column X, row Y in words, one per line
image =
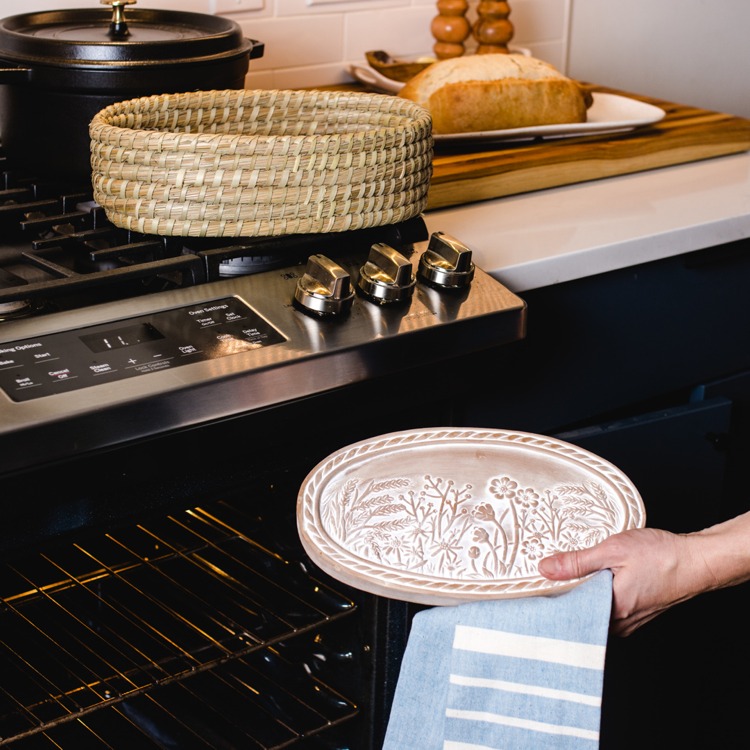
column 9, row 280
column 45, row 223
column 13, row 211
column 66, row 280
column 149, row 615
column 26, row 209
column 128, row 253
column 12, row 195
column 72, row 238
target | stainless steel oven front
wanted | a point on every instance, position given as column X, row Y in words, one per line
column 155, row 594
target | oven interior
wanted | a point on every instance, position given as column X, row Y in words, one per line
column 193, row 630
column 157, row 595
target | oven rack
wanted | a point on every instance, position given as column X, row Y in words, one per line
column 188, row 615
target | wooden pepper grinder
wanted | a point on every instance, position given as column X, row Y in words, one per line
column 450, row 28
column 492, row 29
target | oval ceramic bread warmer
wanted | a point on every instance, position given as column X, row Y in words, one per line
column 443, row 516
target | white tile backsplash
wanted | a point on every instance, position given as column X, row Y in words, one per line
column 305, row 7
column 537, row 21
column 404, row 31
column 310, row 42
column 226, row 7
column 304, row 46
column 296, row 41
column 658, row 48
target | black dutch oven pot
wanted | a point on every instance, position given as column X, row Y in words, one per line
column 59, row 68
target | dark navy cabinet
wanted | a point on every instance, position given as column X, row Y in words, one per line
column 649, row 367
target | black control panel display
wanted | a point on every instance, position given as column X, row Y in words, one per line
column 68, row 361
column 130, row 336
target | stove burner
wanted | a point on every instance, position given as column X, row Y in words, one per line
column 247, row 264
column 15, row 310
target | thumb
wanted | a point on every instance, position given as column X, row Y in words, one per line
column 566, row 565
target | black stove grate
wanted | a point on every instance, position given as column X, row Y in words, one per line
column 58, row 251
column 186, row 631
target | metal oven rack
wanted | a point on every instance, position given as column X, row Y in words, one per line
column 104, row 642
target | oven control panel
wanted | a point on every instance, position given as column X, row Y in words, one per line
column 68, row 361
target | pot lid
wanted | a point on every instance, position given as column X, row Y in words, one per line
column 100, row 37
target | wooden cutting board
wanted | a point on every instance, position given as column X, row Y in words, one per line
column 469, row 172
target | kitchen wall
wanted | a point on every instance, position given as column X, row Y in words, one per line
column 687, row 51
column 690, row 51
column 310, row 42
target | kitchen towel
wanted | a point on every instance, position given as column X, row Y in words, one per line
column 505, row 674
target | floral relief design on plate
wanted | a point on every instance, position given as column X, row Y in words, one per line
column 438, row 516
column 440, row 528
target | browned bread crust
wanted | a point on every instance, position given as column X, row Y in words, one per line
column 495, row 92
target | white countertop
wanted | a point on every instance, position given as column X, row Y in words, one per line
column 551, row 236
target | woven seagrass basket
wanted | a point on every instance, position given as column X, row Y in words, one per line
column 260, row 163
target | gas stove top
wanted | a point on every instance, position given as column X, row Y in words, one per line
column 59, row 252
column 107, row 337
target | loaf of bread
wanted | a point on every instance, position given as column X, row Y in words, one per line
column 495, row 92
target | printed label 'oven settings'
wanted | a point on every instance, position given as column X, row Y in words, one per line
column 67, row 361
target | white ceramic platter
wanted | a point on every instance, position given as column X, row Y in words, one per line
column 445, row 515
column 373, row 79
column 609, row 113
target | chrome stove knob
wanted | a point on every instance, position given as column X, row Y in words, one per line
column 325, row 288
column 387, row 276
column 446, row 263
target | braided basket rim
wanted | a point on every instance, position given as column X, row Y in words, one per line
column 406, row 112
column 374, row 169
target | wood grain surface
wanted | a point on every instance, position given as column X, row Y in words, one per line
column 470, row 172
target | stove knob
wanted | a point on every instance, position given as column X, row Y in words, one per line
column 324, row 289
column 387, row 276
column 446, row 263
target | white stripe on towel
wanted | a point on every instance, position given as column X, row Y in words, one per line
column 517, row 687
column 501, row 643
column 449, row 745
column 512, row 721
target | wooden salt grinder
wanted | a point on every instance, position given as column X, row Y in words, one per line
column 450, row 28
column 492, row 29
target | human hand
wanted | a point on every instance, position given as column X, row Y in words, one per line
column 652, row 571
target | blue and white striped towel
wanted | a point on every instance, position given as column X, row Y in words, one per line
column 510, row 674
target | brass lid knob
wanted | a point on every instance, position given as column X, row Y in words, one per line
column 118, row 27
